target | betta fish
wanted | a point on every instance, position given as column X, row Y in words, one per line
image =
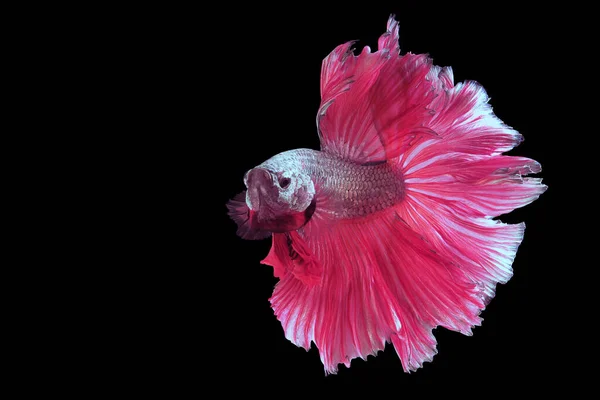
column 388, row 230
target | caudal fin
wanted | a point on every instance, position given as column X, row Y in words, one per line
column 459, row 182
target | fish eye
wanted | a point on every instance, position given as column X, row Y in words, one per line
column 284, row 182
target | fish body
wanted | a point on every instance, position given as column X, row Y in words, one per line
column 389, row 230
column 354, row 190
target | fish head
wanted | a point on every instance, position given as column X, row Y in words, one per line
column 279, row 200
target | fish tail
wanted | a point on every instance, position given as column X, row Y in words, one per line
column 458, row 182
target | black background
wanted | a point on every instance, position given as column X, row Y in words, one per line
column 243, row 85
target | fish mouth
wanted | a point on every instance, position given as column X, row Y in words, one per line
column 261, row 189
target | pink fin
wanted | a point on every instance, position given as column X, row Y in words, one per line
column 451, row 199
column 240, row 214
column 373, row 105
column 464, row 169
column 463, row 121
column 289, row 253
column 381, row 282
column 278, row 257
column 456, row 184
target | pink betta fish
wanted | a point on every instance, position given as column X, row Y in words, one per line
column 387, row 232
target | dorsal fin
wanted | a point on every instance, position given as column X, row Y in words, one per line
column 374, row 105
